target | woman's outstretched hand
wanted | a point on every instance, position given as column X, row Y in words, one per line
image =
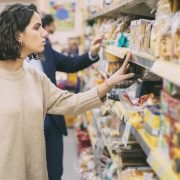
column 119, row 76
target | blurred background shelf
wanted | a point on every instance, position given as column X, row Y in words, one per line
column 125, row 6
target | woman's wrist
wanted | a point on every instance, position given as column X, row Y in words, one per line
column 108, row 85
column 104, row 88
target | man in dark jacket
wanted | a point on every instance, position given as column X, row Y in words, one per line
column 55, row 126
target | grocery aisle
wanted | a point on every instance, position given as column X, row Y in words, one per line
column 135, row 134
column 70, row 157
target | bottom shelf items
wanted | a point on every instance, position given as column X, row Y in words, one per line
column 161, row 165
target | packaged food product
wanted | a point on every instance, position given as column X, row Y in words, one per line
column 122, row 40
column 164, row 135
column 135, row 119
column 175, row 32
column 163, row 7
column 111, row 58
column 175, row 5
column 169, row 140
column 139, row 173
column 171, row 88
column 152, row 117
column 152, row 139
column 170, row 106
column 140, row 31
column 113, row 67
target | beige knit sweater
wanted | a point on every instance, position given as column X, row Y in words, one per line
column 25, row 97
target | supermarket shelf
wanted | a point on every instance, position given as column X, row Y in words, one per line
column 124, row 6
column 143, row 59
column 161, row 166
column 115, row 158
column 119, row 109
column 92, row 138
column 116, row 51
column 156, row 160
column 167, row 70
column 140, row 136
column 164, row 69
column 139, row 58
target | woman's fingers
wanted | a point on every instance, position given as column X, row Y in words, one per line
column 98, row 39
column 127, row 67
column 126, row 61
column 127, row 76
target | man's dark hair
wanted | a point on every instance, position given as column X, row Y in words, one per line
column 47, row 20
column 13, row 20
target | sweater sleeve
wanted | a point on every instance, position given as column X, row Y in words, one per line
column 62, row 102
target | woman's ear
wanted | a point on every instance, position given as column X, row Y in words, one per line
column 19, row 38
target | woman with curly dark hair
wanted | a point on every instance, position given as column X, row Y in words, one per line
column 26, row 95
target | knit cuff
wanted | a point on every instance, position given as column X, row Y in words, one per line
column 90, row 100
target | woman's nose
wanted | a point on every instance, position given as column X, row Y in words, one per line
column 44, row 33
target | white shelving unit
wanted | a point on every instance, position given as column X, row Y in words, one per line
column 164, row 69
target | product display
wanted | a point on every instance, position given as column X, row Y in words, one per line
column 170, row 129
column 152, row 123
column 141, row 117
column 138, row 173
column 140, row 31
column 133, row 133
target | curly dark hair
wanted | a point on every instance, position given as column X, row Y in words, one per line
column 14, row 19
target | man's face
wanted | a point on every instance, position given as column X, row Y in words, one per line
column 50, row 28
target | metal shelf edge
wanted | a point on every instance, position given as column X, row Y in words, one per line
column 167, row 70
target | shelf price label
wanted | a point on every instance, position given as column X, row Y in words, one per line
column 119, row 113
column 153, row 162
column 126, row 133
column 161, row 167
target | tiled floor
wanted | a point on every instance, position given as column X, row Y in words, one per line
column 70, row 157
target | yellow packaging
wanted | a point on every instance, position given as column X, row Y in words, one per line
column 135, row 119
column 155, row 121
column 166, row 47
column 89, row 116
column 146, row 114
column 152, row 139
column 152, row 117
column 111, row 58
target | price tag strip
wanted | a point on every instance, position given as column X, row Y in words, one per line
column 126, row 133
column 161, row 166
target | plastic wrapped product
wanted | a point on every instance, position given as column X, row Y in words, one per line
column 175, row 32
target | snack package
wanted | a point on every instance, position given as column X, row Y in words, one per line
column 140, row 35
column 152, row 116
column 169, row 140
column 164, row 133
column 171, row 88
column 175, row 33
column 175, row 5
column 163, row 7
column 160, row 41
column 170, row 106
column 122, row 40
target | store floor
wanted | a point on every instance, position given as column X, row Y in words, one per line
column 70, row 157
